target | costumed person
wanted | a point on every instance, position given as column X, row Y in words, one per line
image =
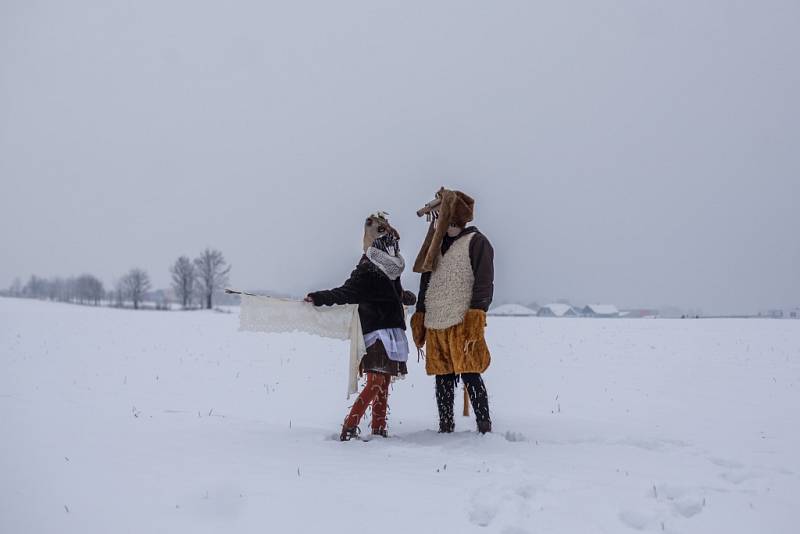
column 456, row 289
column 375, row 286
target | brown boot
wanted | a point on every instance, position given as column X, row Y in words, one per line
column 484, row 426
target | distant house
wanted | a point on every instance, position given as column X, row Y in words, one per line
column 600, row 310
column 533, row 306
column 512, row 310
column 556, row 310
column 788, row 313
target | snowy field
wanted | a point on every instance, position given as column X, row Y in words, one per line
column 119, row 421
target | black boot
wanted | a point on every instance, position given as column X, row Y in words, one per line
column 479, row 399
column 445, row 398
column 349, row 433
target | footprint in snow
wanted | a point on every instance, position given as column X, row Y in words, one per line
column 652, row 444
column 510, row 505
column 671, row 502
column 726, row 463
column 641, row 519
column 683, row 501
column 738, row 477
column 514, row 436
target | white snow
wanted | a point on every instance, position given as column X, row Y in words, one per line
column 511, row 310
column 121, row 421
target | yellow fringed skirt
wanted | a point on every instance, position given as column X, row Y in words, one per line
column 447, row 351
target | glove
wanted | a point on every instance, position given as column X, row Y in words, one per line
column 474, row 327
column 418, row 329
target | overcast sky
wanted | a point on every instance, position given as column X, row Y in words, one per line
column 636, row 152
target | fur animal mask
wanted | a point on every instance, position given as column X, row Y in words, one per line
column 377, row 226
column 455, row 208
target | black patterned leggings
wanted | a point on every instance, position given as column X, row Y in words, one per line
column 445, row 396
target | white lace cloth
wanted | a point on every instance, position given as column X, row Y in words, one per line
column 274, row 315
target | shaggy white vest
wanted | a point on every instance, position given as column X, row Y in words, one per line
column 450, row 289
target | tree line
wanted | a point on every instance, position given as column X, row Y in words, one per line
column 194, row 283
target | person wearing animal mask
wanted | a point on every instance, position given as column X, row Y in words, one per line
column 375, row 286
column 457, row 285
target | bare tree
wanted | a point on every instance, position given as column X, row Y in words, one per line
column 134, row 285
column 69, row 290
column 16, row 288
column 81, row 290
column 54, row 287
column 118, row 294
column 212, row 273
column 89, row 289
column 184, row 275
column 96, row 290
column 35, row 288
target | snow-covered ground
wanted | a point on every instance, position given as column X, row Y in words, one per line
column 122, row 421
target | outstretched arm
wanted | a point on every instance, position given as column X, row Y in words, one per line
column 351, row 292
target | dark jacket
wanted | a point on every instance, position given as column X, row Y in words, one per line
column 481, row 256
column 380, row 300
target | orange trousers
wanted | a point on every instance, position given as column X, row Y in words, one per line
column 376, row 392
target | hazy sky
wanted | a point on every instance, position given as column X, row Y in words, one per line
column 635, row 152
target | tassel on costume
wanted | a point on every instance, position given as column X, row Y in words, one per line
column 418, row 329
column 474, row 325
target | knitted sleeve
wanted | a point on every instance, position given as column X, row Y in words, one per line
column 481, row 255
column 423, row 288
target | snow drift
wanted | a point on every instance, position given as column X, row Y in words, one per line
column 122, row 421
